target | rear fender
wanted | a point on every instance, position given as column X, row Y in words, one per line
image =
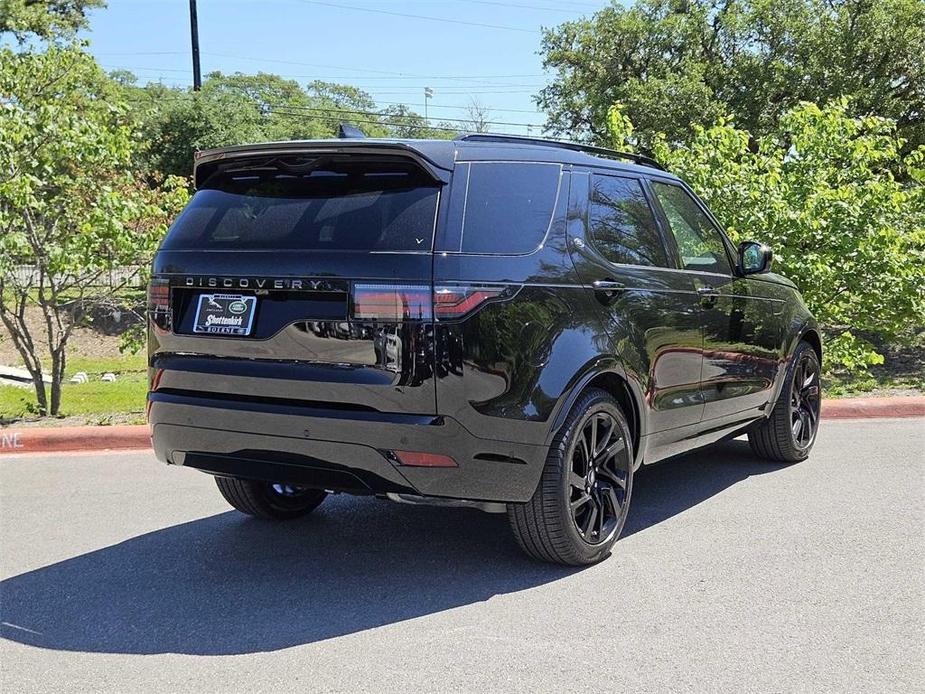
column 596, row 369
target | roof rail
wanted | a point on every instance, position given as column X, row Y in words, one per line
column 574, row 146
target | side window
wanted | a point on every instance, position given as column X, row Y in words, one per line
column 508, row 207
column 623, row 226
column 699, row 242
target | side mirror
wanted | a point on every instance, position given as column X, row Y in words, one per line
column 754, row 258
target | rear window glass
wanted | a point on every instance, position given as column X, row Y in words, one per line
column 345, row 207
column 508, row 207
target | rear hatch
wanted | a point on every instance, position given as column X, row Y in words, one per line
column 301, row 279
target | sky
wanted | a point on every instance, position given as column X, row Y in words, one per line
column 462, row 49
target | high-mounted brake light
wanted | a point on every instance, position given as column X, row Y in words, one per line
column 456, row 302
column 391, row 302
column 159, row 302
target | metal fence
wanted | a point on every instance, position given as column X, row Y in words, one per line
column 122, row 276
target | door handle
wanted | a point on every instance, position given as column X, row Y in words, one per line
column 707, row 292
column 606, row 286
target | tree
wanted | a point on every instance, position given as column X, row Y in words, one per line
column 673, row 63
column 71, row 207
column 229, row 110
column 479, row 117
column 821, row 191
column 46, row 19
column 239, row 108
column 402, row 121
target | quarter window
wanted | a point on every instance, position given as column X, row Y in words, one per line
column 622, row 223
column 700, row 244
column 508, row 207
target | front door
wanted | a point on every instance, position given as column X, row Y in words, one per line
column 740, row 317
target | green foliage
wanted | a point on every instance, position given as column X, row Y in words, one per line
column 824, row 191
column 238, row 109
column 620, row 129
column 70, row 204
column 46, row 19
column 670, row 63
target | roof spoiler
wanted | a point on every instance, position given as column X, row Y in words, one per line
column 208, row 162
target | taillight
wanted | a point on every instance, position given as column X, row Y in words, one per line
column 159, row 302
column 401, row 302
column 456, row 302
column 391, row 302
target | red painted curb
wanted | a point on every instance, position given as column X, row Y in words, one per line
column 90, row 438
column 863, row 408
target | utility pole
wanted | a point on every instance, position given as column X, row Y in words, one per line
column 194, row 31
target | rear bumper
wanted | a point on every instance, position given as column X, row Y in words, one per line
column 338, row 449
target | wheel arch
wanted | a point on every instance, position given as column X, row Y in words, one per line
column 811, row 335
column 613, row 381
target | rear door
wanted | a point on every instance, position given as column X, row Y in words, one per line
column 302, row 280
column 651, row 310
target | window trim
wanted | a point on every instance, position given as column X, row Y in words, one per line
column 676, row 252
column 646, row 194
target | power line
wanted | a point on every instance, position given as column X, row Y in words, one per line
column 295, row 109
column 418, row 16
column 378, row 101
column 561, row 10
column 447, row 89
column 390, row 115
column 368, row 122
column 401, row 75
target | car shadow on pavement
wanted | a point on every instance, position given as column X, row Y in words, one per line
column 667, row 488
column 228, row 584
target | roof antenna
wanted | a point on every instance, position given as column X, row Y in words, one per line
column 345, row 130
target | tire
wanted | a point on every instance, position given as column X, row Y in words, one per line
column 549, row 526
column 787, row 436
column 268, row 500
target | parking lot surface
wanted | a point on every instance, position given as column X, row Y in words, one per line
column 123, row 575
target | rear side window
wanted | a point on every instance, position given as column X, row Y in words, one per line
column 346, row 206
column 623, row 225
column 508, row 207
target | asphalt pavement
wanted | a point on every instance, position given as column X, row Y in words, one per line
column 123, row 575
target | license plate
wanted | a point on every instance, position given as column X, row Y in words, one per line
column 225, row 314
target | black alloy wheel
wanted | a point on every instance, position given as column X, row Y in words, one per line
column 788, row 434
column 274, row 501
column 598, row 478
column 804, row 400
column 582, row 500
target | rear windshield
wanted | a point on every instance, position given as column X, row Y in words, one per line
column 346, row 206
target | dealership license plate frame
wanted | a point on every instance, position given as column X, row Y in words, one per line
column 224, row 321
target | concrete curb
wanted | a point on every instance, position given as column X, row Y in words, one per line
column 864, row 408
column 99, row 438
column 59, row 439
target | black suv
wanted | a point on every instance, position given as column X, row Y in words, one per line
column 507, row 323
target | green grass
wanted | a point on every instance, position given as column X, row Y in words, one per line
column 846, row 386
column 95, row 400
column 121, row 364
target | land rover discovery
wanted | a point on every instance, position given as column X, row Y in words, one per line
column 509, row 323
